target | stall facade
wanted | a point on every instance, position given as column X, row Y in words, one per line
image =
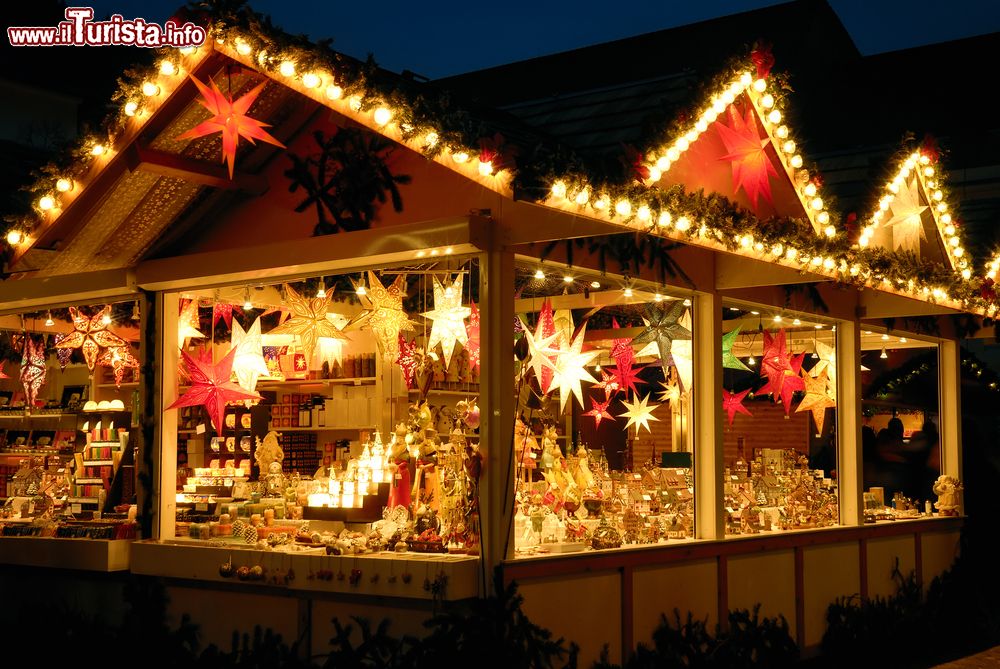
column 385, row 352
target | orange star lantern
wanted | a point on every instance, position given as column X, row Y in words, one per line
column 90, row 334
column 119, row 358
column 230, row 118
column 211, row 387
column 747, row 152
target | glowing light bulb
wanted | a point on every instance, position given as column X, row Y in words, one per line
column 334, row 92
column 355, row 104
column 796, row 322
column 97, row 150
column 460, row 157
column 431, row 139
column 46, row 202
column 643, row 213
column 485, row 168
column 539, row 274
column 884, row 355
column 664, row 220
column 311, row 80
column 582, row 197
column 567, row 279
column 167, row 68
column 321, row 292
column 149, row 89
column 382, row 116
column 817, row 204
column 760, row 85
column 243, row 48
column 829, row 230
column 663, row 164
column 781, row 131
column 767, row 101
column 48, row 320
column 774, row 116
column 623, row 208
column 106, row 319
column 287, row 68
column 131, row 107
column 361, row 290
column 15, row 237
column 683, row 224
column 810, row 189
column 796, row 161
column 627, row 291
column 777, row 318
column 938, row 195
column 559, row 189
column 949, row 230
column 751, row 361
column 966, row 273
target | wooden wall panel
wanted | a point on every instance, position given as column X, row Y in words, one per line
column 829, row 572
column 882, row 554
column 768, row 579
column 938, row 552
column 659, row 590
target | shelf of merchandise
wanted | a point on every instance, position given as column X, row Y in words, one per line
column 355, row 380
column 36, row 416
column 126, row 384
column 449, row 393
column 279, row 430
column 7, row 453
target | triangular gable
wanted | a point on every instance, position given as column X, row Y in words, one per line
column 740, row 146
column 913, row 215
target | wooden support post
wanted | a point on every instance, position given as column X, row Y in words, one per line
column 496, row 492
column 709, row 461
column 849, row 457
column 147, row 412
column 950, row 406
column 165, row 437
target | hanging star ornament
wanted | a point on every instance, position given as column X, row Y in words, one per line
column 730, row 361
column 732, row 403
column 570, row 369
column 747, row 154
column 188, row 323
column 384, row 314
column 827, row 363
column 781, row 369
column 639, row 413
column 119, row 358
column 407, row 360
column 671, row 391
column 624, row 356
column 90, row 335
column 816, row 398
column 608, row 383
column 62, row 354
column 681, row 354
column 212, row 388
column 538, row 359
column 230, row 118
column 33, row 370
column 223, row 312
column 249, row 363
column 447, row 318
column 472, row 332
column 906, row 223
column 599, row 411
column 309, row 321
column 663, row 326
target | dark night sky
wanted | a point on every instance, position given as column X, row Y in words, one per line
column 437, row 39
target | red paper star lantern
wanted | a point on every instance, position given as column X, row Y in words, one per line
column 223, row 311
column 62, row 354
column 90, row 334
column 608, row 383
column 748, row 155
column 407, row 359
column 472, row 331
column 781, row 369
column 211, row 387
column 599, row 411
column 546, row 327
column 621, row 350
column 119, row 358
column 230, row 118
column 33, row 369
column 732, row 403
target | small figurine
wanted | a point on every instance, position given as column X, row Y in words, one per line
column 268, row 451
column 947, row 488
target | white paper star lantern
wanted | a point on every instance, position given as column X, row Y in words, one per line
column 448, row 318
column 639, row 413
column 248, row 363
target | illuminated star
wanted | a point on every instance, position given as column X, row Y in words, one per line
column 538, row 359
column 671, row 391
column 472, row 332
column 384, row 314
column 90, row 334
column 681, row 356
column 827, row 363
column 781, row 370
column 544, row 329
column 223, row 312
column 624, row 356
column 249, row 363
column 447, row 318
column 188, row 323
column 119, row 358
column 816, row 398
column 906, row 223
column 599, row 411
column 747, row 154
column 733, row 403
column 33, row 370
column 608, row 383
column 639, row 414
column 730, row 361
column 309, row 321
column 663, row 327
column 570, row 369
column 230, row 118
column 211, row 387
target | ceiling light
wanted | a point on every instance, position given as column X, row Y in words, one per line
column 567, row 279
column 595, row 284
column 48, row 320
column 539, row 274
column 884, row 355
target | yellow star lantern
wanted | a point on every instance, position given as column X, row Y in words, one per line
column 816, row 399
column 90, row 335
column 906, row 224
column 384, row 314
column 188, row 322
column 639, row 413
column 448, row 318
column 309, row 320
column 570, row 369
column 119, row 358
column 248, row 364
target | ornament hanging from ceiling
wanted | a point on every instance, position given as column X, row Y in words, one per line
column 33, row 370
column 732, row 403
column 570, row 369
column 663, row 326
column 62, row 354
column 90, row 335
column 681, row 354
column 538, row 359
column 747, row 153
column 223, row 312
column 599, row 411
column 671, row 390
column 384, row 314
column 119, row 358
column 407, row 360
column 546, row 328
column 816, row 398
column 211, row 387
column 472, row 332
column 780, row 368
column 188, row 323
column 310, row 320
column 730, row 361
column 906, row 223
column 230, row 118
column 608, row 383
column 623, row 355
column 249, row 363
column 639, row 413
column 447, row 318
column 828, row 363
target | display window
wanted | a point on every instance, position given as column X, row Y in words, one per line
column 69, row 388
column 779, row 404
column 603, row 436
column 901, row 425
column 331, row 415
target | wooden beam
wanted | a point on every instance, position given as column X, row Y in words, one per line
column 876, row 304
column 590, row 300
column 154, row 161
column 69, row 289
column 733, row 271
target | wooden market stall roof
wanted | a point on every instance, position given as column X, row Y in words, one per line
column 143, row 185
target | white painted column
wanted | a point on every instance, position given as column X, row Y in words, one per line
column 165, row 435
column 850, row 467
column 950, row 407
column 709, row 461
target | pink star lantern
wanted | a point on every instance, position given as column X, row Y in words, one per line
column 747, row 154
column 816, row 399
column 224, row 312
column 472, row 331
column 211, row 387
column 733, row 403
column 608, row 383
column 781, row 369
column 599, row 411
column 626, row 375
column 119, row 358
column 230, row 118
column 407, row 359
column 90, row 334
column 33, row 369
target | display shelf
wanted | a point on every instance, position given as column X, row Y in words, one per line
column 353, row 380
column 450, row 393
column 83, row 500
column 279, row 430
column 6, row 452
column 90, row 480
column 98, row 463
column 126, row 384
column 64, row 553
column 36, row 416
